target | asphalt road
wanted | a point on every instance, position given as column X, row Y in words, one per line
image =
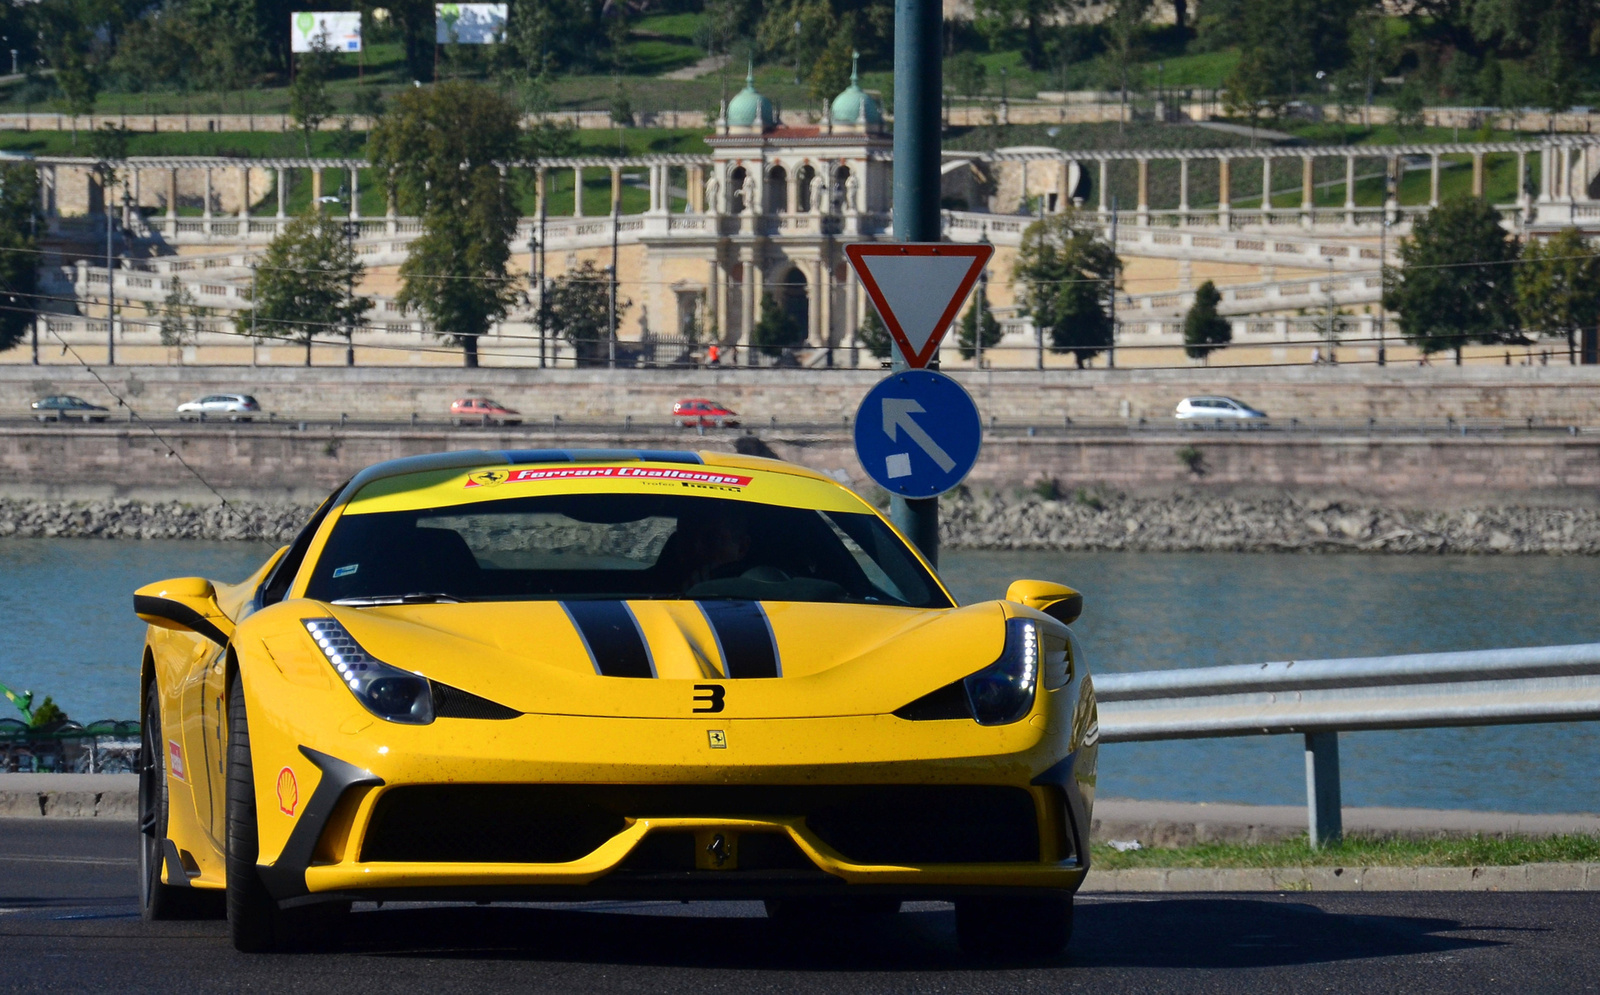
column 69, row 922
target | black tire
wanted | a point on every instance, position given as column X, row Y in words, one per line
column 158, row 901
column 1014, row 927
column 815, row 912
column 255, row 922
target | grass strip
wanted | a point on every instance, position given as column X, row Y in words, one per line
column 1469, row 851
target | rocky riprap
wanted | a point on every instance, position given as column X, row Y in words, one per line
column 125, row 519
column 1185, row 523
column 1177, row 523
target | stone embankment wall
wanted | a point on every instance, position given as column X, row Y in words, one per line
column 1084, row 521
column 282, row 463
column 1557, row 394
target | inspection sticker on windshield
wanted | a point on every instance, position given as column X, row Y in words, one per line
column 489, row 478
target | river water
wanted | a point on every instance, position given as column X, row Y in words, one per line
column 70, row 632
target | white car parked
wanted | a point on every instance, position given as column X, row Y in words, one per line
column 1220, row 408
column 234, row 407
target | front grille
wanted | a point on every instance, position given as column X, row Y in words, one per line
column 868, row 824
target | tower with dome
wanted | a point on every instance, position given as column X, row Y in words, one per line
column 781, row 196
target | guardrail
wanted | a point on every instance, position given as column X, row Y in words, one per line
column 1322, row 698
column 104, row 747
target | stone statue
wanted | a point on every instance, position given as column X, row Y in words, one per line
column 851, row 187
column 819, row 192
column 713, row 192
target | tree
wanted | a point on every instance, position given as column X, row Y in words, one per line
column 302, row 287
column 309, row 102
column 77, row 38
column 778, row 330
column 1204, row 330
column 967, row 72
column 579, row 307
column 997, row 19
column 444, row 146
column 179, row 318
column 554, row 36
column 19, row 272
column 1123, row 24
column 1283, row 44
column 874, row 337
column 1455, row 282
column 1068, row 274
column 1558, row 287
column 830, row 74
column 978, row 316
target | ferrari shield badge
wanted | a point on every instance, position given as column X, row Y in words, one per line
column 288, row 792
column 486, row 478
column 717, row 739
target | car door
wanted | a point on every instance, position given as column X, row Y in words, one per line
column 192, row 654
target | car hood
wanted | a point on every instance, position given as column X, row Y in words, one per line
column 539, row 657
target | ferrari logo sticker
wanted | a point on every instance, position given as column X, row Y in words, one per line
column 717, row 738
column 486, row 478
column 288, row 792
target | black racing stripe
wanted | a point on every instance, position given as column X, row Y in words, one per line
column 615, row 643
column 182, row 614
column 744, row 637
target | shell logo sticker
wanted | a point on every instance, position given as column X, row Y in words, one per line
column 486, row 478
column 175, row 765
column 288, row 792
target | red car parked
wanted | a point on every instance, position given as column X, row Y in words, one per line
column 482, row 411
column 697, row 411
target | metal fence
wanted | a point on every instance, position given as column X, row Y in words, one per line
column 1322, row 698
column 104, row 747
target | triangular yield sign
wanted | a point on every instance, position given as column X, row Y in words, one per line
column 918, row 288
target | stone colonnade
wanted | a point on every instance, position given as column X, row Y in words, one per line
column 1561, row 166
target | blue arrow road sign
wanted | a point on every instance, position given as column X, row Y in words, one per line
column 918, row 433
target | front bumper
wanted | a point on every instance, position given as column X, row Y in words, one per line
column 667, row 816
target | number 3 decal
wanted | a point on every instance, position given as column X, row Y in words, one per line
column 709, row 695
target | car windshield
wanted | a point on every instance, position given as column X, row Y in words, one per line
column 627, row 546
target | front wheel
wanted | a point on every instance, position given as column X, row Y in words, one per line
column 1037, row 926
column 157, row 900
column 256, row 923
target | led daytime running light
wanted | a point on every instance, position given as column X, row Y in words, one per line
column 386, row 691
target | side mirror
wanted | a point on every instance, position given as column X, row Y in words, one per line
column 1058, row 601
column 188, row 604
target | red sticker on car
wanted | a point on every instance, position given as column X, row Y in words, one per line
column 176, row 763
column 288, row 791
column 489, row 478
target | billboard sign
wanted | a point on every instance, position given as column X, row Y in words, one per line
column 325, row 30
column 469, row 23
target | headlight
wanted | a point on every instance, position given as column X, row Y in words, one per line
column 387, row 692
column 1003, row 692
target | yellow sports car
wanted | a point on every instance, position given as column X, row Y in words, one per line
column 578, row 674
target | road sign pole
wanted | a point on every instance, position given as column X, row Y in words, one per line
column 918, row 84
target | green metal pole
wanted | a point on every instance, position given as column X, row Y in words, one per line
column 918, row 81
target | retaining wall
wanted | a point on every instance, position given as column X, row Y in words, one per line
column 279, row 462
column 1557, row 394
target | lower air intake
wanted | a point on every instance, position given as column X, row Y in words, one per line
column 867, row 824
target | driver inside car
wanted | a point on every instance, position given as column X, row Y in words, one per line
column 711, row 547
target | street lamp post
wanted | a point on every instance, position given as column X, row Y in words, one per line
column 111, row 276
column 918, row 26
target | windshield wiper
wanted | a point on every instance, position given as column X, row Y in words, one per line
column 415, row 598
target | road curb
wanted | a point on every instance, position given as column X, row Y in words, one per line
column 69, row 796
column 1521, row 877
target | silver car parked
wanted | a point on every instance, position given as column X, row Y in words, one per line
column 233, row 407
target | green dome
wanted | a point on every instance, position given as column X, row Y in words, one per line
column 848, row 105
column 748, row 108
